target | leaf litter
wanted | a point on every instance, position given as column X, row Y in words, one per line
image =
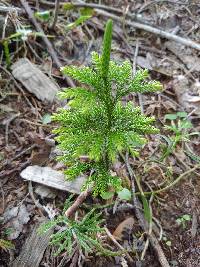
column 173, row 64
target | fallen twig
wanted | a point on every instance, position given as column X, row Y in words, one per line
column 57, row 6
column 13, row 117
column 80, row 199
column 9, row 161
column 45, row 39
column 36, row 202
column 180, row 177
column 117, row 244
column 154, row 30
column 92, row 5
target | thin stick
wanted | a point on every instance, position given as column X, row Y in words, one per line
column 57, row 5
column 3, row 197
column 6, row 9
column 173, row 183
column 36, row 202
column 6, row 162
column 154, row 30
column 117, row 244
column 93, row 5
column 80, row 199
column 45, row 39
column 17, row 85
column 7, row 126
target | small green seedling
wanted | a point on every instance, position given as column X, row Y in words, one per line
column 167, row 241
column 84, row 233
column 183, row 220
column 180, row 126
column 85, row 14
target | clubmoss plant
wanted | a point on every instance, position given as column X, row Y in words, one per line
column 97, row 123
column 82, row 233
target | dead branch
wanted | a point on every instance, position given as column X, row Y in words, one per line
column 80, row 199
column 100, row 9
column 154, row 30
column 130, row 15
column 57, row 6
column 45, row 39
column 117, row 244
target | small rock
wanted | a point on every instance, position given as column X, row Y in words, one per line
column 34, row 80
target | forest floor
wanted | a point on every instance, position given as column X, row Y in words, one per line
column 26, row 137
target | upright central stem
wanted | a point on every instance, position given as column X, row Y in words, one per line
column 107, row 88
column 108, row 102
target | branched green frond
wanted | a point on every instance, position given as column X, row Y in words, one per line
column 84, row 75
column 139, row 85
column 80, row 98
column 136, row 84
column 120, row 75
column 101, row 180
column 129, row 118
column 96, row 62
column 77, row 168
column 83, row 233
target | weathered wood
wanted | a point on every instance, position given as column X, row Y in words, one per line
column 34, row 80
column 52, row 178
column 33, row 250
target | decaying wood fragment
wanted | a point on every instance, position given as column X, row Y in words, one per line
column 34, row 80
column 49, row 177
column 33, row 249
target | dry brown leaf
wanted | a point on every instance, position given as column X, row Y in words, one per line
column 184, row 54
column 123, row 227
column 186, row 93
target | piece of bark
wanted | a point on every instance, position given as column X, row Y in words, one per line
column 34, row 80
column 33, row 250
column 49, row 177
